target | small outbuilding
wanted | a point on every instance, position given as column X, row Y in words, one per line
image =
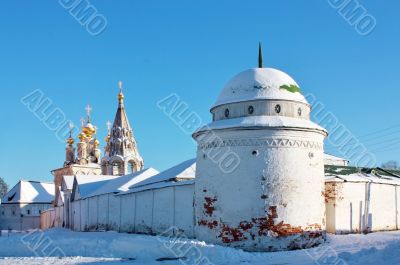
column 22, row 205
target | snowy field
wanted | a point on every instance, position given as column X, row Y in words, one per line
column 108, row 248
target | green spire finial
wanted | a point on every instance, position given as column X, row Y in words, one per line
column 260, row 56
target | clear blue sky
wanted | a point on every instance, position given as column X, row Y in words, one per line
column 191, row 48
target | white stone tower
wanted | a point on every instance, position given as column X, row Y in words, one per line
column 121, row 155
column 260, row 169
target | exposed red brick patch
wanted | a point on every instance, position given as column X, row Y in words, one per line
column 258, row 227
column 246, row 225
column 202, row 222
column 209, row 205
column 332, row 192
column 268, row 224
column 209, row 224
column 229, row 234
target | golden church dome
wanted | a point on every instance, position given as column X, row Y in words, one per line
column 82, row 136
column 70, row 141
column 89, row 129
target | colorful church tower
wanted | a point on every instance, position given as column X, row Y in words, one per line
column 121, row 153
column 83, row 160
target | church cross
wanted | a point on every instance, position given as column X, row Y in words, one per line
column 88, row 111
column 70, row 126
column 120, row 86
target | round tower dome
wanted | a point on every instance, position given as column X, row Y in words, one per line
column 259, row 84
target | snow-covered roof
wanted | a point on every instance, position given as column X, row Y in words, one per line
column 123, row 183
column 183, row 171
column 30, row 192
column 67, row 182
column 363, row 177
column 86, row 184
column 334, row 160
column 260, row 83
column 332, row 157
column 261, row 121
column 160, row 185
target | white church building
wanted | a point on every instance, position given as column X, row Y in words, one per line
column 260, row 180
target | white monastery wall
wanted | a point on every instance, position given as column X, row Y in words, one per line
column 127, row 211
column 356, row 207
column 163, row 212
column 114, row 212
column 150, row 211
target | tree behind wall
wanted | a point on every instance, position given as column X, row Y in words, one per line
column 3, row 187
column 391, row 165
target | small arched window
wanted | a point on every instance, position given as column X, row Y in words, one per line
column 250, row 109
column 278, row 108
column 117, row 168
column 131, row 167
column 226, row 113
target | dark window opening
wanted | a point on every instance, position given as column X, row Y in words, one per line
column 251, row 109
column 226, row 113
column 11, row 197
column 278, row 108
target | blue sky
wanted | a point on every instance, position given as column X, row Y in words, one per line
column 191, row 48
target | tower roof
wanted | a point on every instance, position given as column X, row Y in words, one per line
column 121, row 119
column 121, row 144
column 30, row 192
column 260, row 84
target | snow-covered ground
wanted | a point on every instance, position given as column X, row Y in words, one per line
column 59, row 246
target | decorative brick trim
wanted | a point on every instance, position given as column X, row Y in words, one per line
column 261, row 142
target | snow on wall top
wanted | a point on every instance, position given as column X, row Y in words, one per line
column 260, row 83
column 335, row 160
column 87, row 184
column 332, row 157
column 159, row 185
column 30, row 192
column 123, row 183
column 182, row 172
column 261, row 121
column 363, row 177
